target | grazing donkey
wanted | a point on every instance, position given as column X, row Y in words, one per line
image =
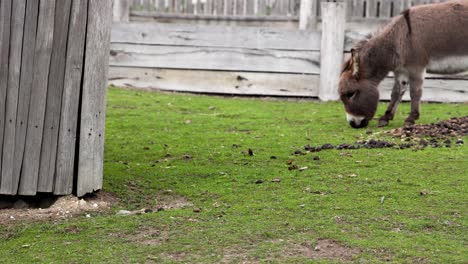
column 427, row 37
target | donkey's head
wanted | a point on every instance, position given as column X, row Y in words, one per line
column 358, row 94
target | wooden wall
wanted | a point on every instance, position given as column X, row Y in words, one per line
column 53, row 71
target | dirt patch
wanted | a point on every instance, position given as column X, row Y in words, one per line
column 149, row 237
column 328, row 249
column 323, row 249
column 168, row 200
column 20, row 209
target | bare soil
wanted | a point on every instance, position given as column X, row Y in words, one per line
column 28, row 209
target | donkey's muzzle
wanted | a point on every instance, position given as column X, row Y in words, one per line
column 361, row 124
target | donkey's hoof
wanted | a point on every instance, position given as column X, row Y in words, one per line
column 409, row 123
column 383, row 123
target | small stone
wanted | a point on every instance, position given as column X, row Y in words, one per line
column 197, row 210
column 258, row 181
column 147, row 211
column 317, row 248
column 368, row 132
column 124, row 212
column 276, row 180
column 316, row 158
column 302, row 168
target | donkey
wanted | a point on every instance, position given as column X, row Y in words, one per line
column 432, row 38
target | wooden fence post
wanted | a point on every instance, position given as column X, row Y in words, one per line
column 332, row 48
column 121, row 10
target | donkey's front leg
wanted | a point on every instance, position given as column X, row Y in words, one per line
column 399, row 88
column 416, row 82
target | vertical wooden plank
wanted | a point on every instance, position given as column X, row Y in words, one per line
column 262, row 8
column 208, row 7
column 225, row 7
column 190, row 7
column 177, row 6
column 371, row 8
column 358, row 9
column 121, row 10
column 385, row 8
column 26, row 83
column 250, row 7
column 398, row 7
column 70, row 99
column 43, row 51
column 332, row 48
column 305, row 16
column 5, row 23
column 161, row 4
column 9, row 184
column 54, row 97
column 93, row 106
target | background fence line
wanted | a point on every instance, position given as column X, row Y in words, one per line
column 252, row 60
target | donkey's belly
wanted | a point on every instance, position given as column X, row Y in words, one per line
column 448, row 65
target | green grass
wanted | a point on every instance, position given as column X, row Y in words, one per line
column 338, row 197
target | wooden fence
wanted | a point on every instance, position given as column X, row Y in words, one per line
column 249, row 60
column 53, row 77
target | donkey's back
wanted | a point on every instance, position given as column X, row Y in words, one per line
column 440, row 30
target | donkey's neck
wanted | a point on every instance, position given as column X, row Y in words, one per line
column 378, row 57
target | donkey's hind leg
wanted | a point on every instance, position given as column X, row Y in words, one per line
column 416, row 82
column 399, row 88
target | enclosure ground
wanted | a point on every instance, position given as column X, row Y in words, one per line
column 208, row 180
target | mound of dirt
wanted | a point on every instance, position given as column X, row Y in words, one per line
column 17, row 210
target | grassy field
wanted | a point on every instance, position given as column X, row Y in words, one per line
column 362, row 206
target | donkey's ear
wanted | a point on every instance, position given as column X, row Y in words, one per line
column 355, row 63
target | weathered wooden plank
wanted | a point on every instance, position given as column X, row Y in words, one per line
column 385, row 9
column 9, row 184
column 217, row 82
column 121, row 11
column 70, row 103
column 35, row 123
column 5, row 23
column 26, row 83
column 358, row 8
column 208, row 36
column 249, row 83
column 204, row 58
column 371, row 8
column 434, row 90
column 262, row 8
column 54, row 97
column 331, row 55
column 93, row 107
column 306, row 16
